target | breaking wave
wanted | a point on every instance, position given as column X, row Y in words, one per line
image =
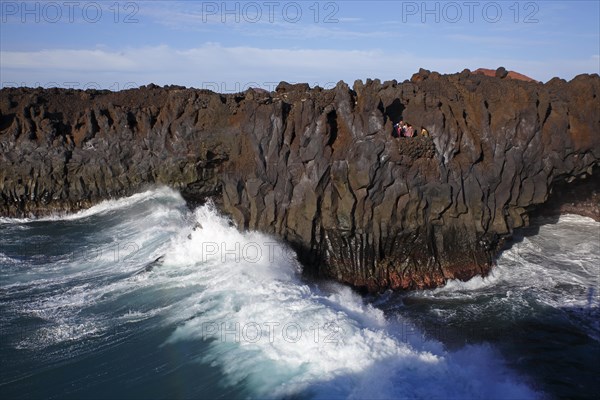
column 141, row 297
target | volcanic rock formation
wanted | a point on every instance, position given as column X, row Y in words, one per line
column 318, row 168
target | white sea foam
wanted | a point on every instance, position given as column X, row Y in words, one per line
column 558, row 267
column 561, row 253
column 243, row 293
column 269, row 329
column 105, row 206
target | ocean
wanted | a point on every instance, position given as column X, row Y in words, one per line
column 142, row 298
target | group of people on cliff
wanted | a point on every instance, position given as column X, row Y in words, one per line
column 403, row 129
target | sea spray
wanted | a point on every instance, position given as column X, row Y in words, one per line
column 219, row 311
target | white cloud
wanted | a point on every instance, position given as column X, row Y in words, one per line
column 69, row 60
column 498, row 41
column 225, row 69
column 194, row 67
column 269, row 22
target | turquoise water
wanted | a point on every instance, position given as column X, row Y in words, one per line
column 142, row 298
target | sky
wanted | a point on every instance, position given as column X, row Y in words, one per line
column 228, row 46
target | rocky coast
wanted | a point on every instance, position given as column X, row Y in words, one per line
column 319, row 168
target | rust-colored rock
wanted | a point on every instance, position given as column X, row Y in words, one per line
column 503, row 73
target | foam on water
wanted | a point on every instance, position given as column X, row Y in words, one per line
column 270, row 330
column 243, row 295
column 560, row 254
column 161, row 193
column 540, row 306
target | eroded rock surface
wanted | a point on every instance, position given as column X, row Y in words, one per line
column 319, row 168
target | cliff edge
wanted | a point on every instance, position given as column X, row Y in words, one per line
column 319, row 168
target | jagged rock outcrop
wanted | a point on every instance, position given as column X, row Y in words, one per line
column 316, row 167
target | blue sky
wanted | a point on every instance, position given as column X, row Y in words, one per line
column 229, row 46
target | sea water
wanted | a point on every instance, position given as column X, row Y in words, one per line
column 143, row 298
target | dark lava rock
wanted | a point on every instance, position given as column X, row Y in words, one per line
column 501, row 73
column 316, row 167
